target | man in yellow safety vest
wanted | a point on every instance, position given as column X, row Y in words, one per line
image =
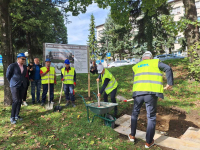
column 109, row 85
column 147, row 87
column 68, row 76
column 48, row 75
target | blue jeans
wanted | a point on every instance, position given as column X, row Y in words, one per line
column 37, row 84
column 151, row 104
column 45, row 90
column 68, row 89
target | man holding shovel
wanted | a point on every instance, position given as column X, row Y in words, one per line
column 68, row 76
column 109, row 85
column 48, row 76
column 147, row 87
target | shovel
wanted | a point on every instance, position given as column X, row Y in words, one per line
column 58, row 107
column 98, row 93
column 49, row 106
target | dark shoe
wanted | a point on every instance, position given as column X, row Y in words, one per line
column 42, row 104
column 39, row 101
column 33, row 102
column 18, row 118
column 12, row 121
column 67, row 104
column 147, row 145
column 131, row 138
column 73, row 105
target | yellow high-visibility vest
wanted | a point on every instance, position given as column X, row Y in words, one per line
column 148, row 77
column 51, row 74
column 112, row 83
column 69, row 76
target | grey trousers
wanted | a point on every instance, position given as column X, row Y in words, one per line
column 151, row 104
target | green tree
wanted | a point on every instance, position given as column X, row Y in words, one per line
column 116, row 39
column 92, row 42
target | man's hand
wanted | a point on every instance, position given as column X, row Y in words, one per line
column 62, row 79
column 74, row 83
column 28, row 68
column 31, row 69
column 99, row 95
column 97, row 79
column 168, row 87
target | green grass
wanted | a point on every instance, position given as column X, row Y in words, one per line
column 69, row 129
column 1, row 71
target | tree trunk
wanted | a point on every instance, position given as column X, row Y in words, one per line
column 170, row 50
column 6, row 46
column 191, row 32
column 28, row 41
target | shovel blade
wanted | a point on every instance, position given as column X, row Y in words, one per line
column 49, row 106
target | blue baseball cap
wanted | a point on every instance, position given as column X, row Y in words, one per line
column 48, row 60
column 67, row 61
column 21, row 55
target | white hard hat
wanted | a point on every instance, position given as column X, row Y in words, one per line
column 100, row 68
column 147, row 54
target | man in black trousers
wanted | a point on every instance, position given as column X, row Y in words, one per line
column 147, row 87
column 15, row 75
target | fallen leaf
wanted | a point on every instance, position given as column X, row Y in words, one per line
column 25, row 132
column 46, row 144
column 92, row 142
column 42, row 116
column 78, row 116
column 110, row 147
column 88, row 134
column 13, row 144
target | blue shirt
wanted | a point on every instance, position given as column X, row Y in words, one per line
column 37, row 72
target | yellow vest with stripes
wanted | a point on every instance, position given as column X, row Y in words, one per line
column 51, row 75
column 112, row 83
column 69, row 76
column 148, row 77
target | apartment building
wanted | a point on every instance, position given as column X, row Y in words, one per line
column 178, row 11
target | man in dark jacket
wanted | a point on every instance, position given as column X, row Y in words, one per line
column 93, row 68
column 147, row 87
column 35, row 79
column 15, row 75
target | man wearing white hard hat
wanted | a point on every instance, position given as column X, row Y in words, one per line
column 109, row 85
column 147, row 87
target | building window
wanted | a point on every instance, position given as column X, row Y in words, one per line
column 176, row 10
column 100, row 32
column 197, row 4
column 177, row 38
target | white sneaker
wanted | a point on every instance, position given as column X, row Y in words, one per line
column 25, row 104
column 52, row 102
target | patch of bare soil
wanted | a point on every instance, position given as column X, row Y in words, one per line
column 173, row 121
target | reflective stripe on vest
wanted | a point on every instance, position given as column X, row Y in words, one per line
column 51, row 75
column 69, row 76
column 112, row 84
column 148, row 77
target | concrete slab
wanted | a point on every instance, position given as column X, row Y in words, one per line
column 161, row 140
column 192, row 134
column 122, row 119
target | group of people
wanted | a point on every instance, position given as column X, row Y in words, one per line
column 147, row 86
column 19, row 76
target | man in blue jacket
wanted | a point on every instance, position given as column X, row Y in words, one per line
column 35, row 79
column 15, row 75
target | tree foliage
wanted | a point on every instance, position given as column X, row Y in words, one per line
column 92, row 42
column 116, row 39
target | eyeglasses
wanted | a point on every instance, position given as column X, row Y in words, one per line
column 23, row 59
